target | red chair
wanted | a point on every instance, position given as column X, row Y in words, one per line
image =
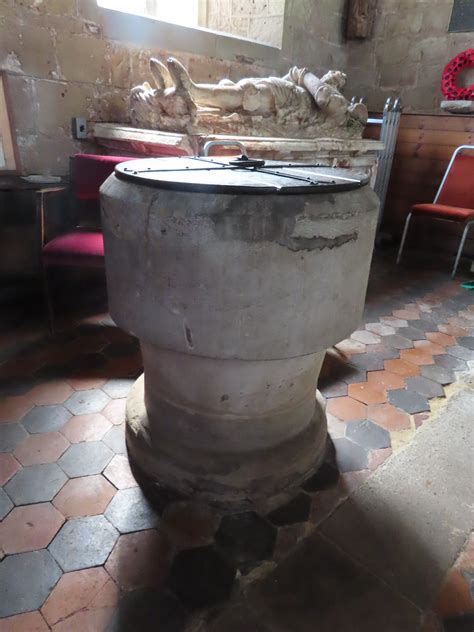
column 83, row 246
column 454, row 201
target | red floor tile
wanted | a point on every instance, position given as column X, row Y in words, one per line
column 74, row 592
column 118, row 472
column 441, row 339
column 453, row 330
column 14, row 408
column 115, row 411
column 29, row 528
column 402, row 367
column 139, row 559
column 41, row 448
column 86, row 428
column 385, row 380
column 347, row 409
column 27, row 622
column 454, row 597
column 8, row 466
column 416, row 356
column 377, row 457
column 429, row 347
column 50, row 393
column 389, row 417
column 366, row 393
column 84, row 496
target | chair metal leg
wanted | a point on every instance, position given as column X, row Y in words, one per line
column 460, row 249
column 404, row 236
column 48, row 300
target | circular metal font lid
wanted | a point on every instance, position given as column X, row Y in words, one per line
column 238, row 175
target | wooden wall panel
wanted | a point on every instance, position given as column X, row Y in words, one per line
column 424, row 146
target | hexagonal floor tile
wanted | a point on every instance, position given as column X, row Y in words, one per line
column 115, row 439
column 411, row 333
column 385, row 380
column 416, row 356
column 87, row 402
column 119, row 473
column 140, row 559
column 115, row 411
column 190, row 567
column 366, row 393
column 450, row 362
column 380, row 329
column 29, row 528
column 14, row 408
column 350, row 457
column 10, row 436
column 27, row 622
column 26, row 580
column 84, row 496
column 401, row 367
column 246, row 537
column 46, row 447
column 86, row 428
column 462, row 353
column 118, row 388
column 441, row 339
column 347, row 409
column 467, row 342
column 48, row 393
column 398, row 342
column 365, row 337
column 83, row 542
column 35, row 483
column 425, row 386
column 145, row 609
column 368, row 435
column 438, row 374
column 74, row 592
column 45, row 418
column 84, row 459
column 389, row 417
column 408, row 400
column 8, row 466
column 129, row 511
column 6, row 504
column 429, row 347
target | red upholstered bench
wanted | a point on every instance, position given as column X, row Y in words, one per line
column 81, row 246
column 454, row 200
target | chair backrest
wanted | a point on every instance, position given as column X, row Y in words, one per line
column 88, row 172
column 457, row 188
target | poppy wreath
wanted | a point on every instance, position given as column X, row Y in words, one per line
column 449, row 87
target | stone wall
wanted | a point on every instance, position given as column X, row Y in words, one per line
column 261, row 20
column 406, row 55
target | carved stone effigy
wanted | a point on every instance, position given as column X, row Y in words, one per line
column 298, row 105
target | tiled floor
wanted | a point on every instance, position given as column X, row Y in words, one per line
column 81, row 546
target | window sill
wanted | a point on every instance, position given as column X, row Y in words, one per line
column 149, row 33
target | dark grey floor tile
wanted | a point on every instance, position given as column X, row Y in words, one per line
column 332, row 388
column 26, row 580
column 294, row 511
column 450, row 362
column 46, row 419
column 83, row 542
column 368, row 361
column 145, row 610
column 425, row 325
column 350, row 457
column 87, row 402
column 437, row 374
column 463, row 353
column 424, row 386
column 10, row 387
column 408, row 400
column 246, row 537
column 368, row 435
column 5, row 504
column 467, row 341
column 10, row 436
column 129, row 511
column 459, row 623
column 84, row 459
column 412, row 333
column 353, row 375
column 188, row 570
column 118, row 388
column 115, row 439
column 398, row 342
column 35, row 484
